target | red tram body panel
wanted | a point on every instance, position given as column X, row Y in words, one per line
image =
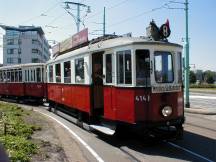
column 74, row 96
column 12, row 89
column 137, row 105
column 38, row 90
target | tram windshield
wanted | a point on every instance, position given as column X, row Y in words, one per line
column 163, row 65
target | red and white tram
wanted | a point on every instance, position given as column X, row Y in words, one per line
column 24, row 81
column 120, row 81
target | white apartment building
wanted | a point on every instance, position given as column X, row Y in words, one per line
column 24, row 44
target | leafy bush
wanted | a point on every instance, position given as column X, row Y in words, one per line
column 18, row 132
column 18, row 147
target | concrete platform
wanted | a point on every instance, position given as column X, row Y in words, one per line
column 204, row 111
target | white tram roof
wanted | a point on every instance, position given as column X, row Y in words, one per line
column 111, row 43
column 18, row 66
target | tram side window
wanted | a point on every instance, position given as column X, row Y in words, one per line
column 12, row 76
column 142, row 68
column 1, row 77
column 124, row 67
column 16, row 76
column 163, row 65
column 67, row 72
column 109, row 68
column 179, row 58
column 26, row 75
column 4, row 76
column 20, row 76
column 51, row 73
column 8, row 76
column 32, row 75
column 58, row 73
column 79, row 70
column 38, row 74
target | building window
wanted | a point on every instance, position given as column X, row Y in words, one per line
column 35, row 50
column 19, row 50
column 51, row 73
column 58, row 73
column 35, row 60
column 109, row 68
column 10, row 51
column 35, row 41
column 67, row 72
column 19, row 60
column 19, row 41
column 10, row 60
column 79, row 70
column 10, row 41
column 124, row 67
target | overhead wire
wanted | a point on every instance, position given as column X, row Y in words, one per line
column 108, row 8
column 42, row 13
column 139, row 15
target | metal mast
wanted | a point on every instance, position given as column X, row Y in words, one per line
column 77, row 17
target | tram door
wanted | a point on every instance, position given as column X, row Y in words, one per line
column 97, row 79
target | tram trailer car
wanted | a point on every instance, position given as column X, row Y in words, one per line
column 117, row 82
column 24, row 81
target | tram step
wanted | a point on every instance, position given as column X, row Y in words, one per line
column 103, row 129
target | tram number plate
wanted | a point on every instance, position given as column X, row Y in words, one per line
column 142, row 98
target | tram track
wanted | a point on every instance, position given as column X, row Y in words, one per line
column 133, row 156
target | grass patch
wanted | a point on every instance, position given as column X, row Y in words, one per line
column 16, row 136
column 204, row 86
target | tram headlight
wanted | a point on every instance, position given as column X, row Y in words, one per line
column 166, row 111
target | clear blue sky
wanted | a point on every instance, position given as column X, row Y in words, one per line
column 123, row 16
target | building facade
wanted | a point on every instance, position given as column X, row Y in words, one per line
column 24, row 44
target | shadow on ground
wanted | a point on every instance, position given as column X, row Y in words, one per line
column 201, row 145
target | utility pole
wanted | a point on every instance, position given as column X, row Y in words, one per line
column 77, row 17
column 187, row 67
column 104, row 22
column 186, row 52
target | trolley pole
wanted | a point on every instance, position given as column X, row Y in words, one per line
column 187, row 67
column 104, row 21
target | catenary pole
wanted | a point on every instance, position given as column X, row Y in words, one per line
column 77, row 17
column 187, row 67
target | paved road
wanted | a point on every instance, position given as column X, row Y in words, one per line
column 202, row 100
column 199, row 143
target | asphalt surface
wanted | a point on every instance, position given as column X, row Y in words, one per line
column 199, row 143
column 202, row 100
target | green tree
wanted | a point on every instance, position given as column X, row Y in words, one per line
column 192, row 77
column 209, row 77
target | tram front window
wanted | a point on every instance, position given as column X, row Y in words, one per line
column 163, row 65
column 142, row 68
